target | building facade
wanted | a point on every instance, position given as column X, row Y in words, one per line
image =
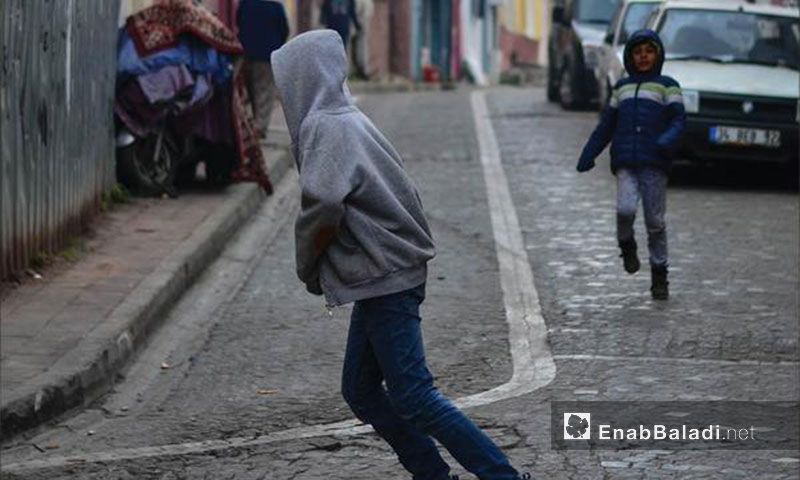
column 424, row 40
column 524, row 27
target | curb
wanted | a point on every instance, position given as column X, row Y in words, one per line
column 89, row 370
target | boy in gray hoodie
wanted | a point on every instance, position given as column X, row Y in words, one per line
column 361, row 236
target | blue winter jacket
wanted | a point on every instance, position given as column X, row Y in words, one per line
column 644, row 117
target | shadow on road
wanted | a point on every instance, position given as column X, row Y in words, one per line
column 735, row 176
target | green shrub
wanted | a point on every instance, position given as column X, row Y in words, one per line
column 40, row 260
column 119, row 194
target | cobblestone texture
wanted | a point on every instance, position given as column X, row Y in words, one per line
column 734, row 284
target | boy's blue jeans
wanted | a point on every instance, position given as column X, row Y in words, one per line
column 385, row 343
column 649, row 184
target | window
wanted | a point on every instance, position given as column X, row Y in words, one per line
column 728, row 36
column 635, row 18
column 594, row 11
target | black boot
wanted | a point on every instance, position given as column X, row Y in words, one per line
column 629, row 258
column 660, row 286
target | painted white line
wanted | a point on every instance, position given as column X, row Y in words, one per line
column 339, row 429
column 533, row 365
column 527, row 333
column 673, row 360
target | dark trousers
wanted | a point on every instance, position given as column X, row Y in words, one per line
column 385, row 344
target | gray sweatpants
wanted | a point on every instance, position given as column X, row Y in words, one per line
column 261, row 88
column 649, row 184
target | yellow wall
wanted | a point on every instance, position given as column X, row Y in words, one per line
column 520, row 16
column 526, row 17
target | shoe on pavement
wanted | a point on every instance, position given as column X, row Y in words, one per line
column 660, row 286
column 629, row 258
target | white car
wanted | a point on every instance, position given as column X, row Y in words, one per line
column 738, row 66
column 631, row 15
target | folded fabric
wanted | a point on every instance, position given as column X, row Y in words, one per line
column 197, row 56
column 166, row 84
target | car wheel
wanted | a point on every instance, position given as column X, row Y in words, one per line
column 552, row 84
column 552, row 92
column 567, row 92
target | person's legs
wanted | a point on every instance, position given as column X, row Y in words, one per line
column 268, row 102
column 363, row 391
column 359, row 54
column 653, row 187
column 392, row 324
column 251, row 82
column 627, row 203
column 261, row 88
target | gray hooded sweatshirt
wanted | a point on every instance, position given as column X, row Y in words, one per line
column 361, row 232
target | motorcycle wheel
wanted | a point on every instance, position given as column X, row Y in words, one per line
column 148, row 166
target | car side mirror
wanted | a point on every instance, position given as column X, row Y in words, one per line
column 609, row 38
column 558, row 14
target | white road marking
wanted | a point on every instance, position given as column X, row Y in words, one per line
column 533, row 365
column 527, row 333
column 673, row 360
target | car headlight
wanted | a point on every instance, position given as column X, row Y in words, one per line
column 691, row 101
column 591, row 55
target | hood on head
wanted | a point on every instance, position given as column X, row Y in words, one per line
column 641, row 36
column 310, row 72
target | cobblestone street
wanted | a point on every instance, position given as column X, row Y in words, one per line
column 265, row 357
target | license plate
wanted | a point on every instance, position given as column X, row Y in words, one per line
column 745, row 136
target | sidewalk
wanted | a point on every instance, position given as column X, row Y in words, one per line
column 64, row 338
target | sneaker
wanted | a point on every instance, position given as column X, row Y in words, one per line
column 629, row 258
column 660, row 286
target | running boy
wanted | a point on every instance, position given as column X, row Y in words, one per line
column 643, row 121
column 361, row 236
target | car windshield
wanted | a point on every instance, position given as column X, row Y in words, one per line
column 635, row 18
column 724, row 36
column 595, row 11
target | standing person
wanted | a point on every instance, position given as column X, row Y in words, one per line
column 361, row 236
column 263, row 28
column 337, row 15
column 358, row 56
column 643, row 120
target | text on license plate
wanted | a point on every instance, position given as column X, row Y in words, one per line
column 745, row 136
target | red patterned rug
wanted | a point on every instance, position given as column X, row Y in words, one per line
column 158, row 27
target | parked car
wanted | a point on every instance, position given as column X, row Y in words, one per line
column 738, row 66
column 573, row 49
column 631, row 15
